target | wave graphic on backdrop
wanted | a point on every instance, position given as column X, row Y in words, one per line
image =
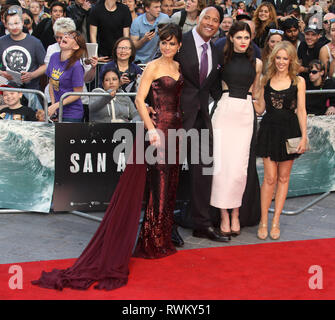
column 26, row 165
column 314, row 171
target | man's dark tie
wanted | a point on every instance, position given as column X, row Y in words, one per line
column 203, row 63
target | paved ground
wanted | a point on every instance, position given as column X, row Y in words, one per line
column 37, row 236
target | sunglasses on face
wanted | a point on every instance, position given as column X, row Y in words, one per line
column 12, row 11
column 313, row 71
column 276, row 31
column 72, row 35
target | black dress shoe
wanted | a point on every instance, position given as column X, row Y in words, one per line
column 177, row 240
column 211, row 234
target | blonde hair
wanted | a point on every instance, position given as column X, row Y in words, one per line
column 260, row 26
column 293, row 67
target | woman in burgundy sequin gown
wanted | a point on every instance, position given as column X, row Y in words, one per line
column 162, row 179
column 106, row 258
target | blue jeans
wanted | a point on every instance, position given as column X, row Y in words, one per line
column 72, row 120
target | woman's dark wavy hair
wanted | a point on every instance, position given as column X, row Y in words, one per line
column 168, row 30
column 229, row 46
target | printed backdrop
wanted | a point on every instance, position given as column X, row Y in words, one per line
column 74, row 166
column 313, row 172
column 26, row 165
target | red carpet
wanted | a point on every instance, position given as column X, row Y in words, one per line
column 264, row 271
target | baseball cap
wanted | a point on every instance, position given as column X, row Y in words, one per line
column 243, row 15
column 292, row 8
column 9, row 85
column 312, row 28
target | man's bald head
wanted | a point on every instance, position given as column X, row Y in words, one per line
column 208, row 24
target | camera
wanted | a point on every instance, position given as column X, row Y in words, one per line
column 130, row 75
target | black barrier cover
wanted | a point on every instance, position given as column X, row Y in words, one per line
column 85, row 172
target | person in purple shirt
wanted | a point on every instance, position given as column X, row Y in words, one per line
column 66, row 74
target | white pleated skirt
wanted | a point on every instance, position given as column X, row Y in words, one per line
column 232, row 122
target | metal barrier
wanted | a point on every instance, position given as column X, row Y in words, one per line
column 320, row 91
column 285, row 212
column 40, row 93
column 60, row 118
column 90, row 94
column 308, row 205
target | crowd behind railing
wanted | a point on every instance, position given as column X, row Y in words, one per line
column 43, row 46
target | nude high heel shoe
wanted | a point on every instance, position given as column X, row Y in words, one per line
column 275, row 231
column 262, row 232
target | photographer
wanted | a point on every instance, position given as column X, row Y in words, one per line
column 123, row 57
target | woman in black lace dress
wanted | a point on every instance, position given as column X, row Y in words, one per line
column 283, row 97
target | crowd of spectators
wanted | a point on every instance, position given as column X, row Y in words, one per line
column 42, row 47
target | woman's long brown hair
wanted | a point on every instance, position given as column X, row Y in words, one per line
column 260, row 26
column 229, row 46
column 80, row 52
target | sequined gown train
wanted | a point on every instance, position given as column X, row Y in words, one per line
column 105, row 260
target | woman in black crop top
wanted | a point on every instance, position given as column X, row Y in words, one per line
column 233, row 124
column 283, row 97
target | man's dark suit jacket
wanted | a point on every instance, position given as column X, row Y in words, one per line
column 194, row 106
column 195, row 96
